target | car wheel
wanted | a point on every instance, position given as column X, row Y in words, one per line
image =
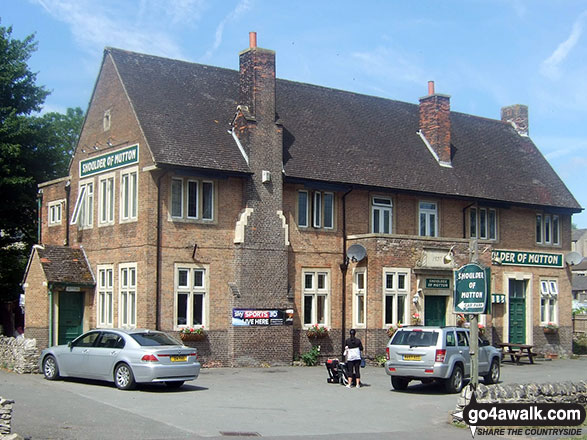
column 454, row 384
column 50, row 368
column 399, row 383
column 493, row 375
column 174, row 384
column 123, row 377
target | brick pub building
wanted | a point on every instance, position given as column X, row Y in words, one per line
column 204, row 197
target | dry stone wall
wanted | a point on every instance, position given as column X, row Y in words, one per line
column 19, row 354
column 5, row 416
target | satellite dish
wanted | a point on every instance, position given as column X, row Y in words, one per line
column 572, row 258
column 356, row 253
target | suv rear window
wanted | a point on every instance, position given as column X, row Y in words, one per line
column 415, row 338
column 154, row 339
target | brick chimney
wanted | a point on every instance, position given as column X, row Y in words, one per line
column 517, row 116
column 257, row 81
column 435, row 124
column 261, row 264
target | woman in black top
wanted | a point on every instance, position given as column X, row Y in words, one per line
column 353, row 349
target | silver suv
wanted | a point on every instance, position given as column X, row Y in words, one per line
column 437, row 353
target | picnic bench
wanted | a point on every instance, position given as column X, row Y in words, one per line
column 517, row 351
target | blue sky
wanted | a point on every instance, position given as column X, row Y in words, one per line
column 486, row 54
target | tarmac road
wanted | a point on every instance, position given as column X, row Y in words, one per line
column 277, row 402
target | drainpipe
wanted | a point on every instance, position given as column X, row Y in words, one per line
column 39, row 215
column 50, row 344
column 67, row 196
column 158, row 264
column 343, row 268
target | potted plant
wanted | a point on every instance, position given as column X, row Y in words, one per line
column 317, row 331
column 550, row 328
column 416, row 319
column 192, row 333
column 461, row 320
column 481, row 330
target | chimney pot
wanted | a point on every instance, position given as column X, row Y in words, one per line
column 252, row 40
column 431, row 87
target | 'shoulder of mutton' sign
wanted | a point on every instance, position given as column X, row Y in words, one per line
column 521, row 258
column 109, row 162
column 437, row 283
column 470, row 289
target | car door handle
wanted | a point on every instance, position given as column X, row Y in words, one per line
column 86, row 351
column 113, row 353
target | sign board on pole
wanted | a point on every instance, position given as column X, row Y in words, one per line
column 470, row 294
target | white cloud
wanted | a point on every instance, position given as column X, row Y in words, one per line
column 551, row 66
column 390, row 64
column 242, row 7
column 149, row 28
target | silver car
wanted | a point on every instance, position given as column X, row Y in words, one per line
column 125, row 357
column 438, row 353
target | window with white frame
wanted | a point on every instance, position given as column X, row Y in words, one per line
column 316, row 297
column 381, row 215
column 548, row 301
column 128, row 295
column 105, row 306
column 359, row 297
column 547, row 229
column 483, row 223
column 428, row 219
column 83, row 211
column 396, row 286
column 106, row 200
column 192, row 199
column 317, row 205
column 129, row 195
column 55, row 212
column 191, row 292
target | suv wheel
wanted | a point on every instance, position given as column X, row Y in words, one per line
column 493, row 375
column 399, row 383
column 454, row 384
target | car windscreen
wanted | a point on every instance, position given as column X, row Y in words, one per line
column 420, row 338
column 154, row 339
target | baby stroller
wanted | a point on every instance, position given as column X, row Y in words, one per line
column 337, row 372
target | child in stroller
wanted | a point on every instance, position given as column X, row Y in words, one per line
column 337, row 372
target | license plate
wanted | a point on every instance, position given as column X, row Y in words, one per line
column 412, row 357
column 179, row 358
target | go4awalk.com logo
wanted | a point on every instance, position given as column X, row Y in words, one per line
column 553, row 419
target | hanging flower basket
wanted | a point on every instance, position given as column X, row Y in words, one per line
column 392, row 329
column 192, row 334
column 317, row 331
column 416, row 319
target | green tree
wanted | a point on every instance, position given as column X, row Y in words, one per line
column 33, row 149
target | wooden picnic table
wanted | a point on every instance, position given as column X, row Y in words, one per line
column 517, row 351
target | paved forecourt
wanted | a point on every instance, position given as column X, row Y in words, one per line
column 271, row 402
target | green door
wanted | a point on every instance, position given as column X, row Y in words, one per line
column 517, row 313
column 435, row 310
column 71, row 313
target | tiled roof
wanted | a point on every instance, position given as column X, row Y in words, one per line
column 578, row 234
column 333, row 136
column 65, row 265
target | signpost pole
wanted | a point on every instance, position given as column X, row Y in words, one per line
column 474, row 329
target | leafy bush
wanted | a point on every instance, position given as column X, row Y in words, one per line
column 310, row 358
column 580, row 344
